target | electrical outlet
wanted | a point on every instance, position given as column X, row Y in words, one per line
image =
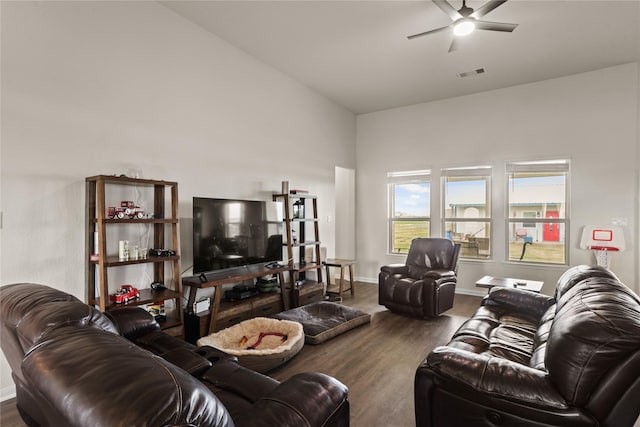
column 620, row 222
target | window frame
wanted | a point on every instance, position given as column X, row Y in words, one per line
column 478, row 171
column 538, row 166
column 402, row 178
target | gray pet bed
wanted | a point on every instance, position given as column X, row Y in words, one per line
column 324, row 320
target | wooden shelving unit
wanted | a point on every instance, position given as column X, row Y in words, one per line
column 97, row 276
column 296, row 206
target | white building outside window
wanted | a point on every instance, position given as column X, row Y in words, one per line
column 466, row 205
column 538, row 211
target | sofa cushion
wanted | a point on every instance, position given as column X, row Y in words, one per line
column 89, row 377
column 498, row 332
column 430, row 253
column 20, row 298
column 16, row 301
column 511, row 343
column 596, row 327
column 577, row 274
column 236, row 386
column 42, row 320
column 133, row 322
column 540, row 339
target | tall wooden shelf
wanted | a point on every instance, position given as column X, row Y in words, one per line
column 296, row 220
column 98, row 222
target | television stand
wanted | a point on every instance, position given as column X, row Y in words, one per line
column 216, row 279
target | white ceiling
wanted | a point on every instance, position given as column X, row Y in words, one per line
column 357, row 52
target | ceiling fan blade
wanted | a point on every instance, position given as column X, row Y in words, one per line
column 448, row 9
column 495, row 26
column 428, row 32
column 454, row 44
column 487, row 7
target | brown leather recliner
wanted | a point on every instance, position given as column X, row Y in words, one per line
column 527, row 359
column 425, row 285
column 75, row 366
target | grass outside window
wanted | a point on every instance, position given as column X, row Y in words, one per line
column 405, row 231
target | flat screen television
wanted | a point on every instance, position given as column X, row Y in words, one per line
column 230, row 233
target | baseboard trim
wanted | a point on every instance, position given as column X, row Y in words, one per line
column 459, row 290
column 7, row 393
column 472, row 292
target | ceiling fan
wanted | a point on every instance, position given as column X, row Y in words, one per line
column 465, row 20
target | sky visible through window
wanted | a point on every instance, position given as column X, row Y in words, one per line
column 540, row 180
column 412, row 200
column 466, row 192
column 538, row 189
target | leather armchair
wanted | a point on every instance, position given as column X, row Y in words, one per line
column 425, row 285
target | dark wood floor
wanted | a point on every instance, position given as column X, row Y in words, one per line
column 376, row 361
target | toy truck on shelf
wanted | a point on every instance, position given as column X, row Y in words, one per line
column 125, row 294
column 127, row 209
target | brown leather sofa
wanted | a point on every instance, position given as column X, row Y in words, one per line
column 75, row 366
column 424, row 286
column 526, row 359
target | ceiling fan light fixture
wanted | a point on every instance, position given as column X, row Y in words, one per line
column 464, row 27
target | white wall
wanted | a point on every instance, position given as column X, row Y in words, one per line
column 345, row 215
column 590, row 118
column 636, row 238
column 105, row 87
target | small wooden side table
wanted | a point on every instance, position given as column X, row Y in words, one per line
column 341, row 264
column 527, row 285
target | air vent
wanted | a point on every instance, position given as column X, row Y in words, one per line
column 471, row 73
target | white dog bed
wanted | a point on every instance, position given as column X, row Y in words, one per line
column 260, row 343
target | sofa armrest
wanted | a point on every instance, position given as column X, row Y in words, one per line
column 305, row 399
column 228, row 375
column 394, row 269
column 439, row 274
column 309, row 399
column 133, row 322
column 497, row 377
column 188, row 360
column 519, row 300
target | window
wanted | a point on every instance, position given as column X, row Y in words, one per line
column 466, row 208
column 409, row 208
column 538, row 211
column 528, row 214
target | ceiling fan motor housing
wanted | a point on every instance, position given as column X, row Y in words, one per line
column 465, row 11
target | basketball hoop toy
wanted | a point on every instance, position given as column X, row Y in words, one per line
column 602, row 240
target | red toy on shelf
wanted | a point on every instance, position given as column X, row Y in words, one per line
column 125, row 294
